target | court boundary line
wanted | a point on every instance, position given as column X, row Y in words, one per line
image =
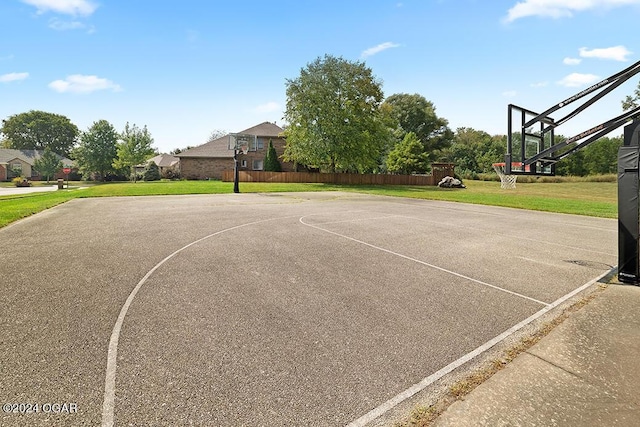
column 418, row 387
column 108, row 404
column 433, row 266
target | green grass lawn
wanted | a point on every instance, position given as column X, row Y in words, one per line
column 582, row 198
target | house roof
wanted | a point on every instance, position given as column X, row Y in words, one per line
column 264, row 129
column 164, row 160
column 27, row 156
column 219, row 148
column 216, row 148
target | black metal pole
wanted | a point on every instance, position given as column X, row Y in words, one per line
column 629, row 206
column 236, row 176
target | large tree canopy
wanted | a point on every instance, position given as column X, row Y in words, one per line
column 37, row 130
column 406, row 113
column 97, row 149
column 474, row 151
column 333, row 114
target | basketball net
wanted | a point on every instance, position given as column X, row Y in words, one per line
column 507, row 182
column 244, row 148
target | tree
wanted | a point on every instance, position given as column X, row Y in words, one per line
column 151, row 172
column 599, row 157
column 631, row 102
column 271, row 162
column 133, row 149
column 406, row 113
column 180, row 150
column 474, row 151
column 97, row 150
column 217, row 133
column 48, row 164
column 37, row 130
column 333, row 114
column 408, row 156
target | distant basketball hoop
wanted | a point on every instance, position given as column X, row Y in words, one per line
column 240, row 143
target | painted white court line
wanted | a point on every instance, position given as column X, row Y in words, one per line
column 435, row 267
column 108, row 404
column 406, row 394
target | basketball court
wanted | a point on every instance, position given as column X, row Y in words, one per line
column 270, row 309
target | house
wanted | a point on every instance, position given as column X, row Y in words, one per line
column 211, row 159
column 168, row 165
column 15, row 163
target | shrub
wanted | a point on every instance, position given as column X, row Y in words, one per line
column 170, row 174
column 467, row 174
column 151, row 172
column 20, row 181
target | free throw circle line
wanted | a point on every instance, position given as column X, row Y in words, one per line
column 108, row 404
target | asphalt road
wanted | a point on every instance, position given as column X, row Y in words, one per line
column 266, row 309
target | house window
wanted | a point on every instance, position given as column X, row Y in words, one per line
column 243, row 164
column 258, row 165
column 260, row 143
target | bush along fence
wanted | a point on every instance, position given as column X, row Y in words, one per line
column 439, row 171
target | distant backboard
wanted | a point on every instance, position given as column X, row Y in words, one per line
column 238, row 140
column 528, row 135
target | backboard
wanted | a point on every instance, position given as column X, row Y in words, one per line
column 528, row 135
column 242, row 142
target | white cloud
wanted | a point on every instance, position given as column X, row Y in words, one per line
column 78, row 83
column 540, row 84
column 560, row 8
column 13, row 77
column 269, row 107
column 571, row 61
column 577, row 80
column 67, row 7
column 377, row 49
column 57, row 24
column 509, row 93
column 616, row 53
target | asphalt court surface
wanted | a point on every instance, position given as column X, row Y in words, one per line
column 267, row 309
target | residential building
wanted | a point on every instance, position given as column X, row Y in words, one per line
column 15, row 163
column 211, row 159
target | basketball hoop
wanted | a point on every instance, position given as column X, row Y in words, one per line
column 244, row 148
column 507, row 182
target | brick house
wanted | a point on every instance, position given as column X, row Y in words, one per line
column 211, row 159
column 20, row 163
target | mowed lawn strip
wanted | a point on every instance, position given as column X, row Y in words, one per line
column 581, row 198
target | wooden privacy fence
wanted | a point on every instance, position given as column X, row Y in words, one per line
column 439, row 171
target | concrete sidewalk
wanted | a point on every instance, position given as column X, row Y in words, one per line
column 6, row 191
column 586, row 372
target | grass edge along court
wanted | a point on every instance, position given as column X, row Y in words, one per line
column 580, row 198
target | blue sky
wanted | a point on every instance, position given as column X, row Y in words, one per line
column 185, row 68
